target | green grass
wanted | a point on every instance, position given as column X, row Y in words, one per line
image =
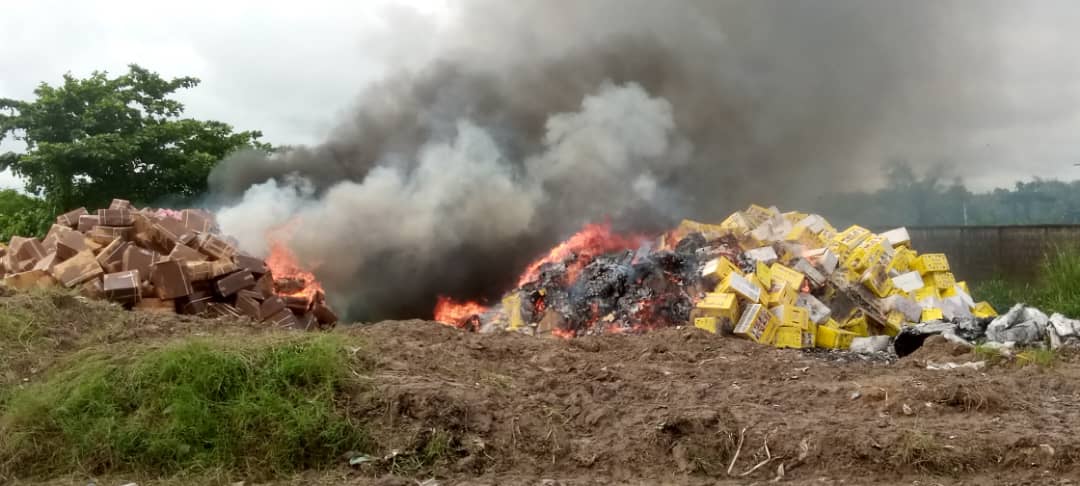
column 262, row 408
column 1056, row 289
column 1041, row 357
column 989, row 354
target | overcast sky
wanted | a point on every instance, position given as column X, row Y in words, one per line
column 291, row 68
column 287, row 68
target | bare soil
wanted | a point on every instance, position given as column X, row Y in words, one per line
column 672, row 407
column 678, row 406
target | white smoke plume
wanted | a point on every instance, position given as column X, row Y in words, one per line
column 381, row 243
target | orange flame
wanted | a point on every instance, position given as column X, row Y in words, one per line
column 593, row 240
column 283, row 263
column 457, row 314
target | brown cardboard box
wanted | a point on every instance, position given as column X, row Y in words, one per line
column 154, row 304
column 265, row 285
column 205, row 270
column 185, row 253
column 106, row 234
column 34, row 279
column 70, row 219
column 53, row 236
column 111, row 258
column 271, row 306
column 87, row 223
column 92, row 289
column 308, row 322
column 254, row 265
column 249, row 306
column 136, row 258
column 115, row 217
column 46, row 263
column 196, row 220
column 221, row 309
column 123, row 287
column 196, row 303
column 170, row 279
column 69, row 244
column 217, row 248
column 121, row 204
column 77, row 269
column 233, row 283
column 167, row 232
column 324, row 314
column 284, row 319
column 142, row 222
column 23, row 253
column 297, row 303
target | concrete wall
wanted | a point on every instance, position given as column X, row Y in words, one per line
column 983, row 252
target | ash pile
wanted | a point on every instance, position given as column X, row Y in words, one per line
column 161, row 260
column 787, row 279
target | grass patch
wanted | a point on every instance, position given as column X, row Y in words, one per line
column 990, row 354
column 1057, row 288
column 263, row 408
column 1043, row 358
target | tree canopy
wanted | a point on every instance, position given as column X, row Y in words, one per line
column 931, row 199
column 90, row 140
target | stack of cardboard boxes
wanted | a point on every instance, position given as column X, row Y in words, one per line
column 161, row 261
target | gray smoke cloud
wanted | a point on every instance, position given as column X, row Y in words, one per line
column 537, row 116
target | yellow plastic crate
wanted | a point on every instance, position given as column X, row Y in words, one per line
column 720, row 305
column 758, row 214
column 931, row 262
column 719, row 268
column 512, row 305
column 792, row 316
column 939, row 280
column 757, row 324
column 901, row 260
column 764, row 275
column 710, row 324
column 850, row 238
column 737, row 223
column 927, row 292
column 782, row 293
column 832, row 338
column 744, row 287
column 793, row 277
column 932, row 314
column 894, row 322
column 789, row 337
column 857, row 326
column 983, row 310
column 877, row 280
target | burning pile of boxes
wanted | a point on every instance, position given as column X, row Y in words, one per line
column 160, row 261
column 800, row 283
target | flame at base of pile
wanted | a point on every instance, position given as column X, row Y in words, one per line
column 786, row 279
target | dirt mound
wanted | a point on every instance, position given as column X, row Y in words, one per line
column 937, row 349
column 679, row 406
column 685, row 404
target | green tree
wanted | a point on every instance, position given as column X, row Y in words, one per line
column 22, row 215
column 90, row 140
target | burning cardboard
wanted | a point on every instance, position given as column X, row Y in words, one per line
column 784, row 279
column 165, row 261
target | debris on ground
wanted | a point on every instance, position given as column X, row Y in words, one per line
column 786, row 279
column 162, row 260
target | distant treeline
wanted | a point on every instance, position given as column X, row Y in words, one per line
column 930, row 199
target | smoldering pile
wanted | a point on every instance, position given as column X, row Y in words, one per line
column 787, row 279
column 162, row 260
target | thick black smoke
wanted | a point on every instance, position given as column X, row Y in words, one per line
column 538, row 116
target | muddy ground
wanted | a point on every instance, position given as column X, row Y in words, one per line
column 673, row 407
column 678, row 406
